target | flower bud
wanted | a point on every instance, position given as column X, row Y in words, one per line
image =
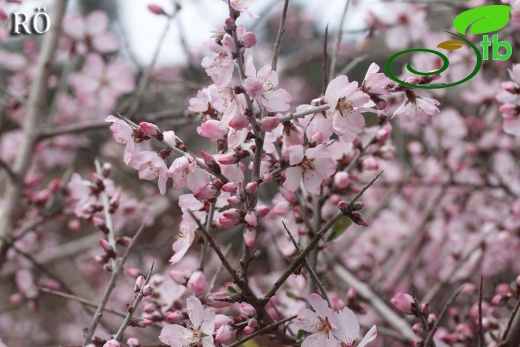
column 425, row 308
column 197, row 283
column 224, row 334
column 112, row 343
column 417, row 329
column 317, row 138
column 230, row 187
column 248, row 41
column 147, row 290
column 249, row 236
column 342, row 179
column 262, row 211
column 498, row 300
column 269, row 123
column 403, row 302
column 140, row 322
column 250, row 219
column 252, row 187
column 174, row 317
column 239, row 122
column 217, row 300
column 149, row 308
column 133, row 272
column 100, row 224
column 178, row 277
column 228, row 159
column 139, row 282
column 133, row 342
column 248, row 330
column 156, row 9
column 149, row 128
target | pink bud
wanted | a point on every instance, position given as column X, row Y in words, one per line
column 228, row 159
column 503, row 289
column 174, row 317
column 229, row 24
column 412, row 80
column 370, row 163
column 248, row 330
column 246, row 310
column 498, row 300
column 432, row 318
column 232, row 213
column 156, row 9
column 252, row 322
column 317, row 138
column 139, row 282
column 208, row 158
column 133, row 342
column 112, row 343
column 267, row 177
column 217, row 300
column 178, row 277
column 510, row 110
column 383, row 134
column 239, row 122
column 197, row 283
column 147, row 290
column 262, row 211
column 269, row 123
column 230, row 187
column 342, row 204
column 149, row 128
column 249, row 39
column 342, row 179
column 224, row 334
column 249, row 236
column 234, row 200
column 149, row 308
column 252, row 187
column 417, row 329
column 251, row 218
column 402, row 302
column 425, row 308
column 518, row 281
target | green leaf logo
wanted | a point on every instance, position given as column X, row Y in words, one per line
column 485, row 19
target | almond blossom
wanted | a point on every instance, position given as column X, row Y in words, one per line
column 91, row 30
column 345, row 101
column 347, row 331
column 314, row 166
column 151, row 165
column 200, row 327
column 320, row 323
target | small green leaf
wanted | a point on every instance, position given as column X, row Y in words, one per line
column 232, row 290
column 451, row 45
column 339, row 227
column 483, row 20
column 300, row 335
column 494, row 337
column 290, row 294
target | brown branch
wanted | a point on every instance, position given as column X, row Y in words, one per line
column 281, row 31
column 116, row 271
column 511, row 336
column 262, row 331
column 429, row 339
column 131, row 310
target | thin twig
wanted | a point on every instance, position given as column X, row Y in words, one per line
column 311, row 271
column 131, row 311
column 78, row 299
column 177, row 151
column 116, row 271
column 106, row 210
column 204, row 251
column 324, row 63
column 314, row 242
column 437, row 323
column 304, row 113
column 511, row 336
column 262, row 331
column 278, row 42
column 338, row 41
column 10, row 172
column 375, row 301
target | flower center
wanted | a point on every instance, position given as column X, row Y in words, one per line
column 345, row 105
column 307, row 164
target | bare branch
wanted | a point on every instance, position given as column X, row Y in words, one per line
column 278, row 42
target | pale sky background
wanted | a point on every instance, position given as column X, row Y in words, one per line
column 199, row 17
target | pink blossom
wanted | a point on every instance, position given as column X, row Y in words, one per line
column 403, row 302
column 261, row 87
column 345, row 99
column 197, row 283
column 243, row 6
column 347, row 330
column 92, row 30
column 220, row 68
column 375, row 82
column 185, row 172
column 185, row 238
column 314, row 166
column 320, row 323
column 99, row 85
column 151, row 166
column 200, row 331
column 416, row 106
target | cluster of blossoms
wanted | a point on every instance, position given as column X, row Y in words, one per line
column 265, row 205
